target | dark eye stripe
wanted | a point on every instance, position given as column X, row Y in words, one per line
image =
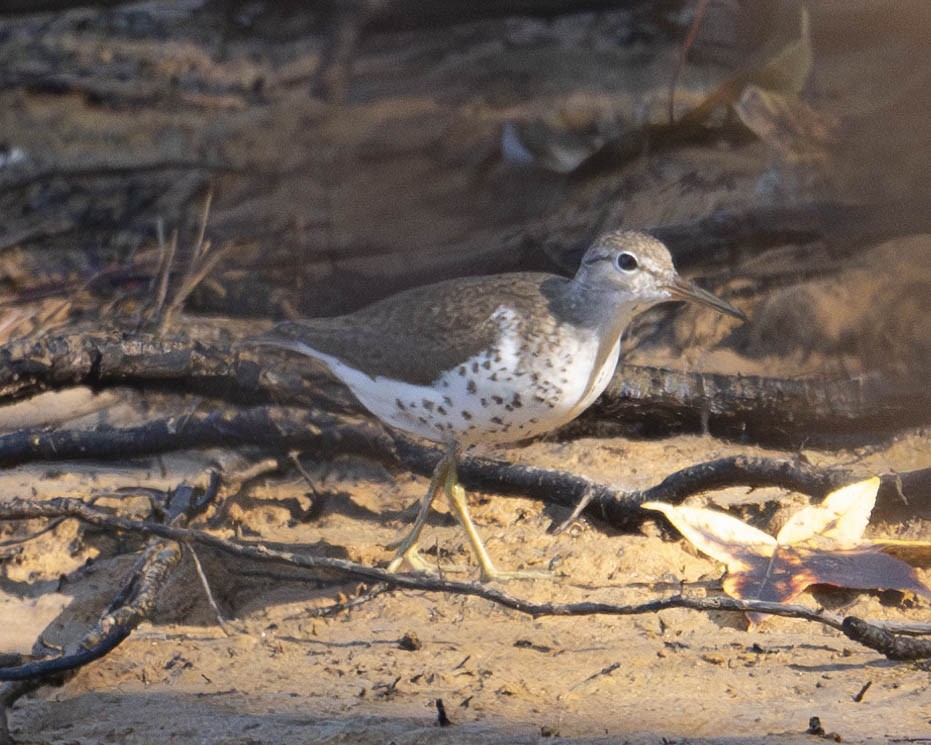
column 592, row 258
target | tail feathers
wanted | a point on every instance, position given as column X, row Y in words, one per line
column 279, row 338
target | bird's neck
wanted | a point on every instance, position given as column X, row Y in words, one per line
column 606, row 312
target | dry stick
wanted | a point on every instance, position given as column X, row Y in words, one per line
column 289, row 427
column 135, row 602
column 208, row 593
column 584, row 501
column 9, row 546
column 771, row 409
column 341, row 606
column 883, row 641
column 327, row 433
column 201, row 263
column 167, row 251
column 282, row 426
column 134, row 605
column 622, row 508
column 19, row 509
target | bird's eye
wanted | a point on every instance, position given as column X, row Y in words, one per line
column 626, row 262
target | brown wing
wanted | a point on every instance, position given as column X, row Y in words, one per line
column 419, row 334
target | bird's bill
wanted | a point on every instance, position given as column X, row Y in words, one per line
column 681, row 289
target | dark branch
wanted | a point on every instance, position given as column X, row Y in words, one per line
column 772, row 410
column 284, row 428
column 209, row 362
column 27, row 509
column 135, row 603
column 892, row 646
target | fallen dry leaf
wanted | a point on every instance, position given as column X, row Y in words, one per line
column 820, row 544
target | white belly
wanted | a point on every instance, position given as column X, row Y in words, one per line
column 503, row 397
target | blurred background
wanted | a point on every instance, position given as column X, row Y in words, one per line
column 351, row 149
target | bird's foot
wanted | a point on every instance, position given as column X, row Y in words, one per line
column 415, row 560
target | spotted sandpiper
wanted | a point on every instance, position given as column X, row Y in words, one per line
column 492, row 359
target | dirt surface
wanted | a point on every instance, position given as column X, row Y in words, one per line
column 116, row 118
column 280, row 672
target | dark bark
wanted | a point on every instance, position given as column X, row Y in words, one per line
column 136, row 603
column 778, row 411
column 277, row 427
column 650, row 401
column 282, row 428
column 890, row 645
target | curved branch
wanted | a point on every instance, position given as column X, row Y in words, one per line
column 311, row 428
column 67, row 662
column 133, row 605
column 27, row 509
column 208, row 360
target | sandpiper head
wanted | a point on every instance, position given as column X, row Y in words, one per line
column 638, row 268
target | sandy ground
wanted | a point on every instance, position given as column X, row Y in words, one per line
column 401, row 184
column 282, row 673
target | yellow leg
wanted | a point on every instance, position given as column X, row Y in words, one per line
column 456, row 496
column 460, row 507
column 445, row 478
column 407, row 546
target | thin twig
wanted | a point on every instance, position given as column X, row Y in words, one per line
column 333, row 609
column 584, row 501
column 199, row 246
column 28, row 509
column 163, row 275
column 221, row 621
